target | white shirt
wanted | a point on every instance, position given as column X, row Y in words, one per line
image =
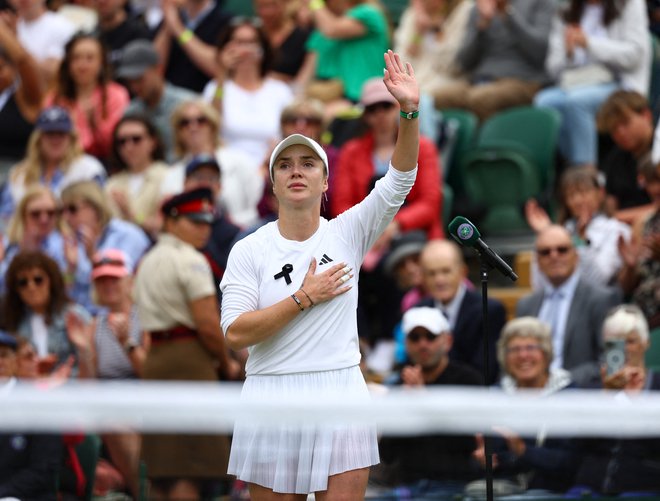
column 452, row 308
column 46, row 36
column 324, row 337
column 251, row 119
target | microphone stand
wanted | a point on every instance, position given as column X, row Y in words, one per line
column 485, row 268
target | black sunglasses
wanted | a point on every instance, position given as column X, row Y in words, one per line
column 134, row 138
column 37, row 280
column 104, row 261
column 378, row 106
column 200, row 120
column 546, row 251
column 416, row 336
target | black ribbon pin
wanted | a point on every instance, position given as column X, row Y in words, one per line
column 286, row 271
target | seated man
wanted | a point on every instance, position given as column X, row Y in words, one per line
column 445, row 277
column 503, row 54
column 573, row 307
column 431, row 464
column 28, row 463
column 627, row 118
column 616, row 466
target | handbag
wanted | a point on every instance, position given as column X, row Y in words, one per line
column 587, row 75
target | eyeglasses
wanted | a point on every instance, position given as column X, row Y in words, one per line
column 414, row 337
column 383, row 106
column 525, row 348
column 200, row 120
column 560, row 249
column 124, row 140
column 38, row 213
column 37, row 280
column 305, row 120
column 107, row 261
column 255, row 22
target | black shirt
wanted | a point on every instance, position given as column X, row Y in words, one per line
column 620, row 169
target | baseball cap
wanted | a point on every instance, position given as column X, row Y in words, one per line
column 54, row 119
column 7, row 339
column 402, row 246
column 298, row 139
column 202, row 160
column 194, row 204
column 136, row 58
column 374, row 91
column 109, row 263
column 424, row 316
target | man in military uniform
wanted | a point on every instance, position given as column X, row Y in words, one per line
column 177, row 304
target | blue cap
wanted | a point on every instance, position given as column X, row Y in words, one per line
column 54, row 119
column 7, row 339
column 202, row 160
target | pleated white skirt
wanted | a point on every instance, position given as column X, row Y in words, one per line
column 299, row 459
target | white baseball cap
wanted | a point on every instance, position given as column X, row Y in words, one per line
column 429, row 318
column 298, row 139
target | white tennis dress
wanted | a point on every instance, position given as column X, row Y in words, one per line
column 315, row 353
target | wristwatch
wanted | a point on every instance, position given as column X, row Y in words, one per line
column 130, row 345
column 409, row 115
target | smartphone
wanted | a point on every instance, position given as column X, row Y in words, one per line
column 615, row 355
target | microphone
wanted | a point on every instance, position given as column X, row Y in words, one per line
column 467, row 234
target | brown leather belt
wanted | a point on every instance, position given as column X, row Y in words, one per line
column 174, row 334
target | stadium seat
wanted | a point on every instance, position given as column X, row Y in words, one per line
column 460, row 130
column 654, row 87
column 239, row 7
column 447, row 204
column 512, row 161
column 653, row 353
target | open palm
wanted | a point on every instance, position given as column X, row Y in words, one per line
column 400, row 81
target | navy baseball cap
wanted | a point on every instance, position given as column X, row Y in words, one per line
column 7, row 339
column 54, row 119
column 202, row 160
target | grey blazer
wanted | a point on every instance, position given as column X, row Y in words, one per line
column 583, row 339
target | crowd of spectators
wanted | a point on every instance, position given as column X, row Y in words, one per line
column 110, row 107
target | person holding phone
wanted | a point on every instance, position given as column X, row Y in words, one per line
column 611, row 465
column 290, row 297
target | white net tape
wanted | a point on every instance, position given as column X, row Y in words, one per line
column 196, row 408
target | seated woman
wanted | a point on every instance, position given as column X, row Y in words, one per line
column 196, row 127
column 429, row 35
column 138, row 155
column 54, row 158
column 36, row 226
column 582, row 211
column 84, row 87
column 623, row 466
column 596, row 47
column 37, row 308
column 524, row 351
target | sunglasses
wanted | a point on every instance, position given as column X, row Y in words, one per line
column 38, row 213
column 124, row 140
column 306, row 120
column 255, row 22
column 416, row 336
column 384, row 106
column 200, row 120
column 38, row 280
column 560, row 249
column 107, row 261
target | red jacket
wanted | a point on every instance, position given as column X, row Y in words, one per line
column 423, row 206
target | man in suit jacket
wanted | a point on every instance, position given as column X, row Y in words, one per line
column 573, row 308
column 445, row 273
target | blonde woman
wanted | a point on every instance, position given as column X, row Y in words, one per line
column 54, row 158
column 86, row 211
column 196, row 126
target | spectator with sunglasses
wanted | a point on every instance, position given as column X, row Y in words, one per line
column 196, row 132
column 37, row 308
column 436, row 465
column 134, row 191
column 54, row 158
column 574, row 307
column 36, row 226
column 583, row 213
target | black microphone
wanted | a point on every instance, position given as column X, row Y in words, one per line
column 465, row 233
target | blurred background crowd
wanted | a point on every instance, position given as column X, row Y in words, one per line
column 538, row 120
